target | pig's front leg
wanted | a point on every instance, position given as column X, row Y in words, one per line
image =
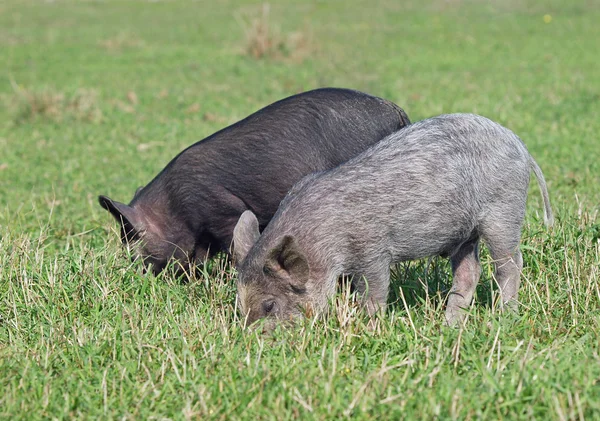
column 373, row 286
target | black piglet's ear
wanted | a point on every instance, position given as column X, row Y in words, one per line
column 125, row 215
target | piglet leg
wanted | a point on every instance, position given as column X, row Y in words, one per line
column 466, row 271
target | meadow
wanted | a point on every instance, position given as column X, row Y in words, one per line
column 96, row 97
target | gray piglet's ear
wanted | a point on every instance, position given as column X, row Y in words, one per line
column 245, row 234
column 288, row 257
column 125, row 215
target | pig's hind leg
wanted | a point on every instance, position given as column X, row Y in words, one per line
column 466, row 271
column 502, row 239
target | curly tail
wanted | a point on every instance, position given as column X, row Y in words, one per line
column 548, row 216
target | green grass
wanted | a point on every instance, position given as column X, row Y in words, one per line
column 96, row 97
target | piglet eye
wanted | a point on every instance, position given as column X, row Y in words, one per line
column 268, row 306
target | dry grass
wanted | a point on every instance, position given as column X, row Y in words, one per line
column 264, row 39
column 55, row 106
column 120, row 42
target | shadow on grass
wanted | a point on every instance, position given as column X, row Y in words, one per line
column 427, row 282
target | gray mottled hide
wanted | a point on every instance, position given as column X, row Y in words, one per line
column 433, row 188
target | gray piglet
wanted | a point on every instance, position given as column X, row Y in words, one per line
column 433, row 188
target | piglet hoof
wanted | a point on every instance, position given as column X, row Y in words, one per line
column 455, row 317
column 510, row 306
column 374, row 310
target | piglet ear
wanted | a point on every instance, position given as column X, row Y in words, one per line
column 245, row 234
column 129, row 219
column 287, row 257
